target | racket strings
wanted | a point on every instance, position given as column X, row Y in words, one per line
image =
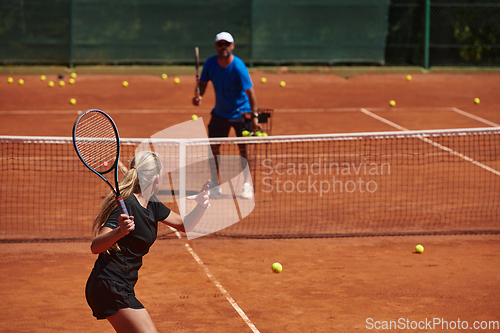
column 96, row 141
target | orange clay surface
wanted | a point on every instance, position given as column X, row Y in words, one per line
column 327, row 285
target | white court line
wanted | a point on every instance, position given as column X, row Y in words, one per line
column 467, row 114
column 146, row 111
column 166, row 111
column 418, row 108
column 435, row 144
column 219, row 286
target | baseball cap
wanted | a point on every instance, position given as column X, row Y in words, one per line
column 224, row 36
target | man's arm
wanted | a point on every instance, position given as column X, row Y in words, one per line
column 254, row 106
column 197, row 99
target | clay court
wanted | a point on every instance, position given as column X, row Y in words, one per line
column 217, row 284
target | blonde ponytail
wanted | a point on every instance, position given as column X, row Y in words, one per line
column 143, row 168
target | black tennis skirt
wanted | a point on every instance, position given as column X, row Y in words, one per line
column 106, row 297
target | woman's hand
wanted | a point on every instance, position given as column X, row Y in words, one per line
column 126, row 224
column 201, row 198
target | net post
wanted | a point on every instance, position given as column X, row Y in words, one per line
column 182, row 178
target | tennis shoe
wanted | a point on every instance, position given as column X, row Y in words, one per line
column 214, row 189
column 247, row 192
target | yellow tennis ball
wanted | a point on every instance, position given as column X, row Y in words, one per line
column 10, row 80
column 264, row 134
column 73, row 75
column 476, row 100
column 245, row 133
column 61, row 83
column 72, row 101
column 21, row 81
column 164, row 76
column 51, row 83
column 42, row 78
column 71, row 81
column 194, row 117
column 263, row 80
column 408, row 77
column 177, row 80
column 125, row 83
column 392, row 103
column 282, row 83
column 276, row 268
column 419, row 248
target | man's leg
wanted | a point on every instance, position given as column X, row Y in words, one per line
column 217, row 128
column 247, row 191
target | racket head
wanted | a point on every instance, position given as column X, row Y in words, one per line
column 96, row 141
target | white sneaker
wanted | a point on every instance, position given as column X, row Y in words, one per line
column 214, row 189
column 247, row 192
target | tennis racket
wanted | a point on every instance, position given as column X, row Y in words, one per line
column 196, row 66
column 97, row 144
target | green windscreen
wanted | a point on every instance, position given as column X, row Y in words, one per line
column 319, row 31
column 166, row 31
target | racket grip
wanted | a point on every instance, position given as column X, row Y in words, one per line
column 121, row 206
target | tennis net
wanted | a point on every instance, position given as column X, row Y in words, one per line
column 361, row 184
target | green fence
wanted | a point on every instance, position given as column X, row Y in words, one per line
column 403, row 32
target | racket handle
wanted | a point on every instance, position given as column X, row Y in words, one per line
column 121, row 206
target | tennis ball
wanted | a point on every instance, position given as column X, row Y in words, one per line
column 392, row 103
column 73, row 75
column 476, row 100
column 282, row 83
column 72, row 101
column 51, row 83
column 419, row 248
column 194, row 117
column 164, row 76
column 10, row 80
column 408, row 77
column 245, row 133
column 263, row 80
column 61, row 83
column 177, row 80
column 264, row 134
column 276, row 268
column 71, row 81
column 42, row 78
column 258, row 133
column 21, row 81
column 125, row 83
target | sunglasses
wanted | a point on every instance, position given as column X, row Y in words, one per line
column 220, row 44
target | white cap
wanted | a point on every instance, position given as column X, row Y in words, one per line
column 224, row 36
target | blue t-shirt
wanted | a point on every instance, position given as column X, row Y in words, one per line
column 230, row 84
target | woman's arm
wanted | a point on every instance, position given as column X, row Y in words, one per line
column 107, row 236
column 174, row 220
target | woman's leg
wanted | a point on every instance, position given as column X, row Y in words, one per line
column 132, row 321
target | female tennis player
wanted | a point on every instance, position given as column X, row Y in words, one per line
column 121, row 241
